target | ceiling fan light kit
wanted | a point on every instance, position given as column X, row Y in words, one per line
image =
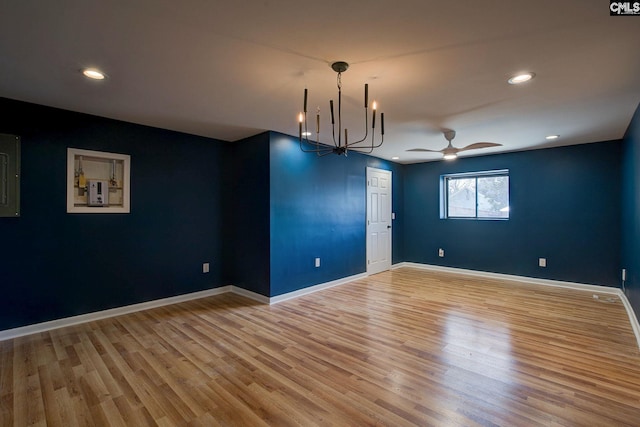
column 339, row 146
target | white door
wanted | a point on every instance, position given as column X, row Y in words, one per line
column 378, row 220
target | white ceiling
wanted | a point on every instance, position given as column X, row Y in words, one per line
column 232, row 69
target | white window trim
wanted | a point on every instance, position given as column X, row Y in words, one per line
column 444, row 204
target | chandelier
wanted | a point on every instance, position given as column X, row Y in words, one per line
column 340, row 146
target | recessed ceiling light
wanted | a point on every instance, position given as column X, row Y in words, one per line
column 521, row 78
column 552, row 137
column 395, row 158
column 306, row 133
column 93, row 73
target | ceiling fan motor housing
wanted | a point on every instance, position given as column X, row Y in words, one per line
column 449, row 135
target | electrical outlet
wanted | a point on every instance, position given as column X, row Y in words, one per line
column 542, row 262
column 441, row 253
column 205, row 267
column 317, row 262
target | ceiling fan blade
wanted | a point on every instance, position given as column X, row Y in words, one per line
column 424, row 149
column 479, row 145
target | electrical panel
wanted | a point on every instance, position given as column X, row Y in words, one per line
column 9, row 175
column 98, row 193
column 97, row 182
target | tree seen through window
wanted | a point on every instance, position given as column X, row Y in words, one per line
column 483, row 195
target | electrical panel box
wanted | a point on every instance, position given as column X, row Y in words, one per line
column 97, row 182
column 9, row 175
column 98, row 193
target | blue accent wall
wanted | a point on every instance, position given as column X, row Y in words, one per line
column 55, row 265
column 631, row 211
column 565, row 207
column 247, row 214
column 318, row 209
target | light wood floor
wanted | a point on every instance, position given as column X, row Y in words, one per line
column 406, row 347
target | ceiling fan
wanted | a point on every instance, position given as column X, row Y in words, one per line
column 450, row 152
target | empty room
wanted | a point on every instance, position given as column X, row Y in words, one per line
column 351, row 213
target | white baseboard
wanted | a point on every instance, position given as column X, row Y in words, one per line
column 248, row 294
column 315, row 288
column 632, row 315
column 633, row 319
column 90, row 317
column 500, row 276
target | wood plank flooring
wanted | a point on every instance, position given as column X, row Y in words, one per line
column 401, row 348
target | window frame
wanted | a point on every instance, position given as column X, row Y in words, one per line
column 444, row 193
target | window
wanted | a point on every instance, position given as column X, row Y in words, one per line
column 475, row 195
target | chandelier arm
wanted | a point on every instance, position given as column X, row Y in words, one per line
column 372, row 142
column 371, row 146
column 361, row 151
column 318, row 147
column 324, row 153
column 373, row 136
column 366, row 128
column 379, row 144
column 319, row 151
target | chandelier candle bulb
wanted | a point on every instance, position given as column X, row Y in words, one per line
column 373, row 122
column 333, row 121
column 366, row 95
column 305, row 100
column 300, row 123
